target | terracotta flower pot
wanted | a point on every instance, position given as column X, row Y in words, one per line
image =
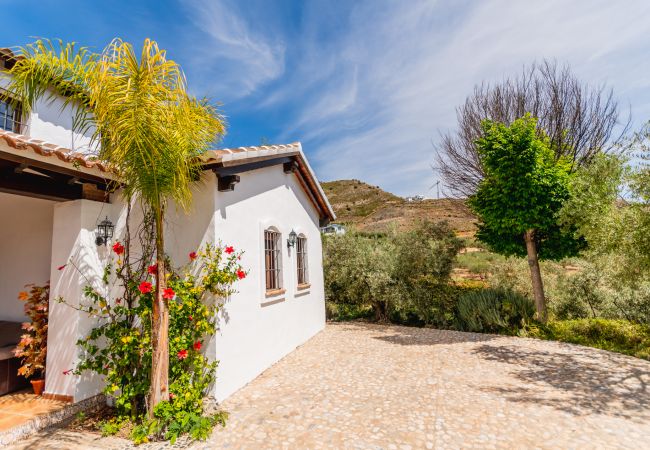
column 38, row 386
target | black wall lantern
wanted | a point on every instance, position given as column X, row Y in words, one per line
column 291, row 242
column 104, row 231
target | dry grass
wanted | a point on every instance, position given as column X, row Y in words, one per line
column 369, row 208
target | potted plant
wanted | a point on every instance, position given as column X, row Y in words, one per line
column 32, row 347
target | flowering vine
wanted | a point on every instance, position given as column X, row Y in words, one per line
column 119, row 348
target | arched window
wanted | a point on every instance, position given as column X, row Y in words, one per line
column 301, row 259
column 272, row 259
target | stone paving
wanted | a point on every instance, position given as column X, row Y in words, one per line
column 388, row 387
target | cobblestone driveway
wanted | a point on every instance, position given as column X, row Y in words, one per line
column 389, row 387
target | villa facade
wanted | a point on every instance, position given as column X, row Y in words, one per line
column 52, row 198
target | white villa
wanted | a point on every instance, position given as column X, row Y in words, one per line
column 52, row 200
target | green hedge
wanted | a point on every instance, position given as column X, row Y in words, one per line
column 620, row 336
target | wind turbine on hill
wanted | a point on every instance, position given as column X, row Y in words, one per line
column 437, row 186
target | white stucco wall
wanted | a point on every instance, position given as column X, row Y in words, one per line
column 50, row 122
column 259, row 331
column 73, row 239
column 25, row 248
column 255, row 331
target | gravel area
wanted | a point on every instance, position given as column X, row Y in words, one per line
column 388, row 387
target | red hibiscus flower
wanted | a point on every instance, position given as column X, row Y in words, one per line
column 168, row 294
column 193, row 256
column 153, row 269
column 118, row 248
column 61, row 267
column 241, row 274
column 229, row 249
column 197, row 345
column 145, row 287
column 182, row 354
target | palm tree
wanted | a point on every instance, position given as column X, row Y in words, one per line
column 147, row 128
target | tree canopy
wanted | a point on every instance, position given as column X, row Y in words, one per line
column 523, row 189
column 579, row 120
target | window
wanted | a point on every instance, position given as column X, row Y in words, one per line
column 272, row 260
column 301, row 257
column 9, row 116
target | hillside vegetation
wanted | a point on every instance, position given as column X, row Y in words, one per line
column 369, row 208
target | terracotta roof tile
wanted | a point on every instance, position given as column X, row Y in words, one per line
column 232, row 155
column 48, row 149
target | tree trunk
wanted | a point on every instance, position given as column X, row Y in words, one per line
column 159, row 327
column 535, row 275
column 381, row 311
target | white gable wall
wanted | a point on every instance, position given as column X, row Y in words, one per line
column 259, row 331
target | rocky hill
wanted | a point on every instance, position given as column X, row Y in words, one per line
column 369, row 208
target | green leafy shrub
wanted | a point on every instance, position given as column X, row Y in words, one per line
column 494, row 310
column 119, row 347
column 620, row 336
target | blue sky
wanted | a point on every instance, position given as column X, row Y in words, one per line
column 367, row 86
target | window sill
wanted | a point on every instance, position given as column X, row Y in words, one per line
column 302, row 287
column 274, row 292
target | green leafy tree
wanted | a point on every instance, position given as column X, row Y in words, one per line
column 518, row 199
column 147, row 127
column 609, row 207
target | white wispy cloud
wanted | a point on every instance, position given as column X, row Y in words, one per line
column 368, row 88
column 236, row 57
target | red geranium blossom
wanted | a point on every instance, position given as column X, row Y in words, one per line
column 229, row 249
column 168, row 294
column 197, row 345
column 152, row 269
column 241, row 274
column 145, row 287
column 182, row 354
column 118, row 248
column 193, row 256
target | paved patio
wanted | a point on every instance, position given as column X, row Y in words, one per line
column 18, row 408
column 389, row 387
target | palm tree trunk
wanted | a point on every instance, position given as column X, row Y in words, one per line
column 535, row 275
column 159, row 327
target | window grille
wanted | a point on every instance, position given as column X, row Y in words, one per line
column 9, row 116
column 272, row 260
column 301, row 256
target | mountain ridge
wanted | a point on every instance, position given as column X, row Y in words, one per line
column 370, row 209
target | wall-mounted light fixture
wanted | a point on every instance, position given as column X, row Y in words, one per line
column 293, row 237
column 105, row 230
